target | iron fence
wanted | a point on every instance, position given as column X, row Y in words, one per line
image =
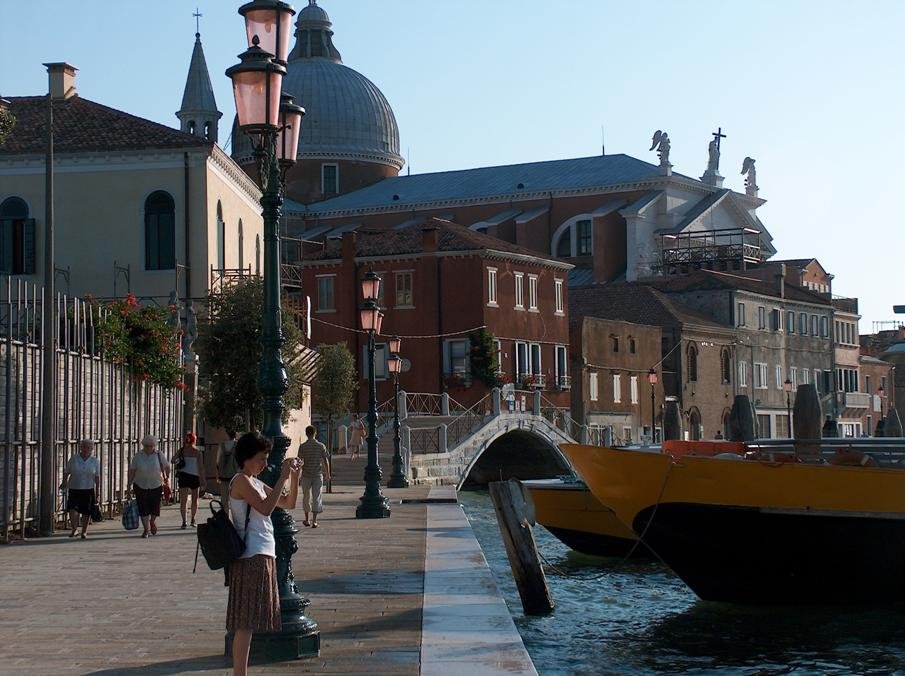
column 96, row 399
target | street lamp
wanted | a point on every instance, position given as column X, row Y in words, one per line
column 880, row 393
column 257, row 81
column 397, row 478
column 652, row 379
column 787, row 386
column 373, row 505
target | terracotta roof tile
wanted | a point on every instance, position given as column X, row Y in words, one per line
column 634, row 302
column 80, row 126
column 711, row 279
column 409, row 240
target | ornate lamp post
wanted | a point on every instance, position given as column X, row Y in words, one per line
column 274, row 129
column 373, row 505
column 787, row 386
column 397, row 478
column 652, row 379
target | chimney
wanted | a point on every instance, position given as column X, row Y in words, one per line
column 349, row 239
column 781, row 280
column 62, row 80
column 430, row 236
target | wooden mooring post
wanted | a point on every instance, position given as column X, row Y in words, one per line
column 514, row 513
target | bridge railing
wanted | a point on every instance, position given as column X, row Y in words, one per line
column 468, row 421
column 423, row 440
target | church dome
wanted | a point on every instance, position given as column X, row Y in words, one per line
column 346, row 116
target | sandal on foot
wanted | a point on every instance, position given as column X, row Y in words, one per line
column 153, row 529
column 306, row 523
column 314, row 525
column 145, row 534
column 183, row 525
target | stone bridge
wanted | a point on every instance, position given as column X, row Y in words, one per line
column 483, row 443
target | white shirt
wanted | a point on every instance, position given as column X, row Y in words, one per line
column 147, row 470
column 82, row 472
column 260, row 538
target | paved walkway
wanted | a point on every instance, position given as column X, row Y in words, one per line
column 118, row 604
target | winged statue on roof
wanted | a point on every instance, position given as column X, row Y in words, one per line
column 660, row 141
column 751, row 178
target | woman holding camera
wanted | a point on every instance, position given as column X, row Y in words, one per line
column 254, row 601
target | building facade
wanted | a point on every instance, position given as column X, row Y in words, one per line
column 442, row 284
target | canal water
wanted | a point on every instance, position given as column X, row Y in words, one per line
column 638, row 618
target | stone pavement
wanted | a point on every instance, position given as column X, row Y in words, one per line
column 118, row 604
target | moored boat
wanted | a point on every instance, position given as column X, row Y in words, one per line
column 758, row 531
column 567, row 509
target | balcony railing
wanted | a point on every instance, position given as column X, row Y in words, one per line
column 532, row 381
column 857, row 400
column 564, row 382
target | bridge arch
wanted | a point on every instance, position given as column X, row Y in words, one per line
column 520, row 453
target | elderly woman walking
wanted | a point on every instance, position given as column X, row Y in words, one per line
column 83, row 479
column 189, row 462
column 148, row 474
column 254, row 601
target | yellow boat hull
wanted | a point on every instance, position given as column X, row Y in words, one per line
column 571, row 513
column 758, row 532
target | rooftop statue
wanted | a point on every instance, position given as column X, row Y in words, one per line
column 660, row 141
column 751, row 178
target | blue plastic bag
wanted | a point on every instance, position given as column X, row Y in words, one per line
column 130, row 515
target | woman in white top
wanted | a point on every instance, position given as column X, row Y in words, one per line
column 189, row 463
column 148, row 473
column 83, row 481
column 254, row 601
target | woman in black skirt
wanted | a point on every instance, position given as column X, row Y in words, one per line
column 83, row 481
column 189, row 463
column 254, row 602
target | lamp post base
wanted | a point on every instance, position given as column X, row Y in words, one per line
column 299, row 643
column 373, row 508
column 398, row 482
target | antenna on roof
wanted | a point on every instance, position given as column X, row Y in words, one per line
column 602, row 142
column 408, row 161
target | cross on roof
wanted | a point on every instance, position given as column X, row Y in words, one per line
column 197, row 16
column 718, row 134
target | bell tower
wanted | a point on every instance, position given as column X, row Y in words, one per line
column 199, row 115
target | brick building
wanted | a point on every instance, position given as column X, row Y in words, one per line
column 693, row 360
column 782, row 333
column 610, row 388
column 441, row 283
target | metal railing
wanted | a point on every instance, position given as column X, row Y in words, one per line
column 96, row 399
column 468, row 421
column 424, row 439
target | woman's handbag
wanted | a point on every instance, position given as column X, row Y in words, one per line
column 167, row 492
column 180, row 461
column 96, row 515
column 130, row 515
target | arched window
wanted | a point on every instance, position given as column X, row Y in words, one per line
column 631, row 345
column 692, row 362
column 17, row 238
column 160, row 231
column 726, row 430
column 258, row 255
column 694, row 424
column 191, row 127
column 207, row 131
column 221, row 238
column 725, row 366
column 575, row 237
column 241, row 246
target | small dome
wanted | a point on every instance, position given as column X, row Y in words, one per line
column 313, row 14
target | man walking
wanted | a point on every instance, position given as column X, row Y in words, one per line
column 315, row 465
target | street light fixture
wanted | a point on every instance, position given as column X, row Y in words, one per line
column 372, row 503
column 397, row 478
column 652, row 379
column 787, row 387
column 257, row 81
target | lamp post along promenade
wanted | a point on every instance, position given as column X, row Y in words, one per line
column 273, row 122
column 394, row 364
column 373, row 504
column 652, row 379
column 787, row 386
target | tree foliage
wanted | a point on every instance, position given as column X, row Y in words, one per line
column 485, row 363
column 140, row 338
column 333, row 391
column 229, row 352
column 7, row 124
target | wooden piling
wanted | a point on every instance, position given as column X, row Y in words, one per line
column 514, row 512
column 672, row 421
column 808, row 419
column 741, row 419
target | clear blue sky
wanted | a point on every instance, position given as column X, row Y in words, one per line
column 813, row 90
